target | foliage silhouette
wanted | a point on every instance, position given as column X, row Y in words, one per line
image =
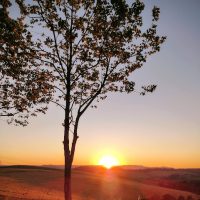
column 24, row 88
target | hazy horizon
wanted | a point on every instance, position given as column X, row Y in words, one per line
column 134, row 166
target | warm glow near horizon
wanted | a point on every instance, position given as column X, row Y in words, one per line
column 107, row 157
column 108, row 161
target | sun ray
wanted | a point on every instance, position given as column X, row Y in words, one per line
column 108, row 161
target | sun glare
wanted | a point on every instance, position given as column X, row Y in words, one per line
column 108, row 161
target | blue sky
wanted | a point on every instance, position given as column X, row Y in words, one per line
column 160, row 129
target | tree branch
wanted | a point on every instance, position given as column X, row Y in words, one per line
column 58, row 104
column 91, row 99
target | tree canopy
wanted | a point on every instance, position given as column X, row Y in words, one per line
column 23, row 87
column 91, row 47
column 94, row 44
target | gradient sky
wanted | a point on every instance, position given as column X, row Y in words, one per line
column 159, row 129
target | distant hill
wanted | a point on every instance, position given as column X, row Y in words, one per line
column 97, row 166
column 59, row 166
column 27, row 167
column 54, row 166
column 130, row 167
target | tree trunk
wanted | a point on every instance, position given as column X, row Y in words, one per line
column 68, row 166
column 67, row 184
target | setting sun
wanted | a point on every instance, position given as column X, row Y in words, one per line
column 108, row 161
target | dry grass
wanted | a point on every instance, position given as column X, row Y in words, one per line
column 96, row 184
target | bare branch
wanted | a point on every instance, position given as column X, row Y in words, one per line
column 59, row 90
column 57, row 52
column 58, row 104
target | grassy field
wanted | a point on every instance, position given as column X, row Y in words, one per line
column 96, row 183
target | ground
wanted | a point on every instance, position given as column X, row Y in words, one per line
column 97, row 183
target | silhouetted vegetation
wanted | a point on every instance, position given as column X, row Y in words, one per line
column 24, row 88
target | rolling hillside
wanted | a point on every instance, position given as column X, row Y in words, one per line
column 97, row 183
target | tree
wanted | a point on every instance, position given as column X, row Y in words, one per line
column 23, row 88
column 90, row 48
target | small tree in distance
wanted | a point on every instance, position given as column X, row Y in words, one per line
column 90, row 48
